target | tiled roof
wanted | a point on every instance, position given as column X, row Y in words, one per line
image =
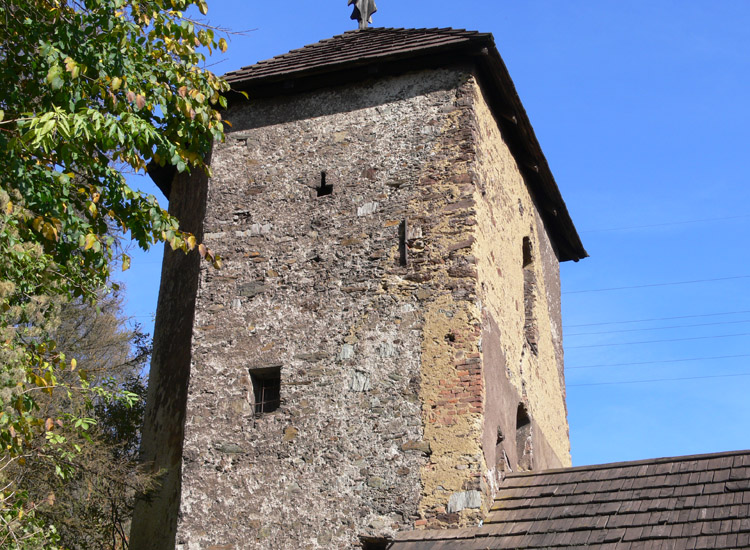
column 358, row 47
column 678, row 503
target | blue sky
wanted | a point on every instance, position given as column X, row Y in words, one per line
column 642, row 110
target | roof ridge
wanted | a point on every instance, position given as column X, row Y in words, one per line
column 641, row 462
column 351, row 35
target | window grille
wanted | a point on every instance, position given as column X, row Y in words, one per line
column 266, row 389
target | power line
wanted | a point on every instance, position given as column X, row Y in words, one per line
column 656, row 380
column 659, row 328
column 658, row 341
column 657, row 284
column 657, row 319
column 664, row 224
column 657, row 362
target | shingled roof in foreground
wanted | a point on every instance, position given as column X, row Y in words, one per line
column 379, row 52
column 700, row 501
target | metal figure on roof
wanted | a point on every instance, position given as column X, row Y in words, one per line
column 363, row 10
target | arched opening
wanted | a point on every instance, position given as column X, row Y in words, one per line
column 524, row 448
column 527, row 257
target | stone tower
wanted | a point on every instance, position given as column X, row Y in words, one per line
column 384, row 339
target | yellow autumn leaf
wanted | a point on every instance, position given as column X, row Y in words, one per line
column 125, row 262
column 90, row 240
column 222, row 45
column 9, row 208
column 38, row 380
column 116, row 83
column 191, row 242
column 72, row 67
column 73, row 364
column 49, row 231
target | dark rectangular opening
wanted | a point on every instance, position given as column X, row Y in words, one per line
column 371, row 543
column 402, row 243
column 324, row 188
column 266, row 389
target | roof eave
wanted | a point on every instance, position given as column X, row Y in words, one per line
column 352, row 70
column 519, row 134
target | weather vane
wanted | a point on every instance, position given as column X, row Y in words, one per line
column 363, row 10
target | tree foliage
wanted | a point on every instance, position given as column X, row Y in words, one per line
column 91, row 504
column 91, row 90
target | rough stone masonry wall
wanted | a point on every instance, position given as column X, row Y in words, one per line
column 520, row 366
column 367, row 347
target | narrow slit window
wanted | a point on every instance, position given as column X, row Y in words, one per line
column 324, row 189
column 402, row 244
column 266, row 389
column 530, row 328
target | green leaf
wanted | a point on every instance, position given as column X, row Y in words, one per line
column 46, row 128
column 82, row 82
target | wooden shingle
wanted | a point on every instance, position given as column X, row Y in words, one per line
column 700, row 501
